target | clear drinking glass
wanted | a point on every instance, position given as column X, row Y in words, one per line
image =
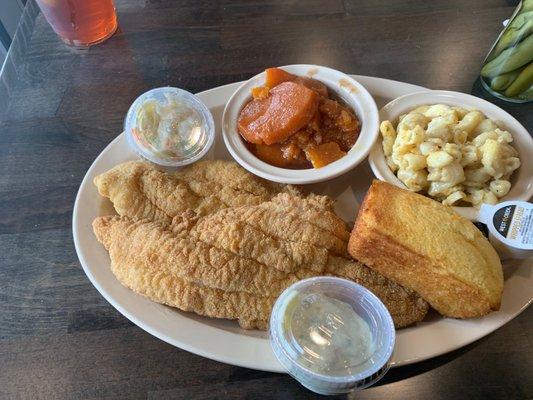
column 80, row 22
column 507, row 72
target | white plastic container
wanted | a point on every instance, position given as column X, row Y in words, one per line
column 181, row 129
column 290, row 342
column 510, row 226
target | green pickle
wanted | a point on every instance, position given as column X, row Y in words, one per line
column 510, row 59
column 511, row 37
column 503, row 81
column 508, row 69
column 521, row 83
column 521, row 19
column 527, row 5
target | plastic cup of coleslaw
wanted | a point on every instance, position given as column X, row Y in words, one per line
column 169, row 127
column 332, row 335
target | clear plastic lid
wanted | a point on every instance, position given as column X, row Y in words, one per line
column 170, row 127
column 332, row 335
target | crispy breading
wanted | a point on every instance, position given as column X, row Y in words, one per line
column 214, row 230
column 177, row 250
column 405, row 306
column 154, row 263
column 292, row 243
column 183, row 255
column 140, row 190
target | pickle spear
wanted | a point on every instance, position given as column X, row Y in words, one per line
column 510, row 59
column 502, row 81
column 527, row 5
column 521, row 83
column 521, row 18
column 511, row 37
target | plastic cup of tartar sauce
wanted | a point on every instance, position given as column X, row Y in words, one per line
column 170, row 127
column 332, row 335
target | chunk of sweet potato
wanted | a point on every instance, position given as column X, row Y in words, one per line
column 249, row 116
column 313, row 84
column 272, row 155
column 275, row 76
column 260, row 92
column 288, row 108
column 324, row 154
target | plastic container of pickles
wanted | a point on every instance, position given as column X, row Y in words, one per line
column 507, row 72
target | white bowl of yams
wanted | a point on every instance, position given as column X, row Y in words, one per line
column 350, row 92
column 521, row 179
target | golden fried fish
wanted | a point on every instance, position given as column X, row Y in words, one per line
column 144, row 251
column 139, row 190
column 218, row 241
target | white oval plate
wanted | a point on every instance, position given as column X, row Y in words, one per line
column 223, row 340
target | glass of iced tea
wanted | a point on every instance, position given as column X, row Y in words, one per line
column 80, row 22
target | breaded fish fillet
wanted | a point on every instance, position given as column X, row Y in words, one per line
column 140, row 190
column 213, row 229
column 303, row 237
column 151, row 261
column 146, row 255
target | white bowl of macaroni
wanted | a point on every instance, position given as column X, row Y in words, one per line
column 455, row 148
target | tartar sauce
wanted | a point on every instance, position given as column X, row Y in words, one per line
column 331, row 334
column 331, row 337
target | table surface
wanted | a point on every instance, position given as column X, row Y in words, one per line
column 60, row 107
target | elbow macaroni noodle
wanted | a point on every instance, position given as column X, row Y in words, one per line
column 453, row 154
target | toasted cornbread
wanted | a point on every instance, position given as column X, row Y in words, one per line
column 427, row 247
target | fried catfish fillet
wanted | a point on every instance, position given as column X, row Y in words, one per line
column 139, row 190
column 182, row 265
column 218, row 241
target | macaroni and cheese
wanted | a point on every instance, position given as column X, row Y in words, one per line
column 456, row 156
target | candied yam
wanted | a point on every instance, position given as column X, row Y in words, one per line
column 292, row 123
column 275, row 76
column 329, row 108
column 260, row 92
column 314, row 124
column 346, row 121
column 324, row 154
column 286, row 155
column 252, row 112
column 272, row 155
column 289, row 107
column 293, row 106
column 339, row 124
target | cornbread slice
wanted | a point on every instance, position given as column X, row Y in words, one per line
column 427, row 247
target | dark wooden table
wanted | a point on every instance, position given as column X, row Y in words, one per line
column 60, row 107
